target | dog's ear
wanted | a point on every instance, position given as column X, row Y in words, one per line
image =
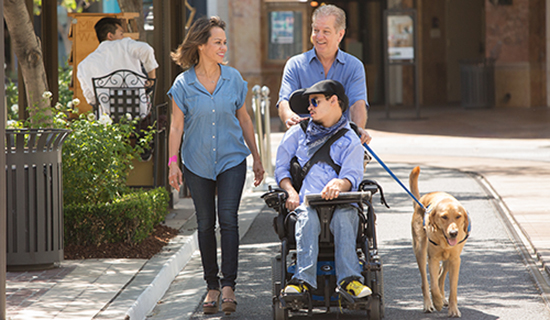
column 433, row 216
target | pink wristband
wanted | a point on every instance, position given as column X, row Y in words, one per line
column 173, row 158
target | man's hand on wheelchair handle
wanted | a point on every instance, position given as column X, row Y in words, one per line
column 293, row 200
column 365, row 136
column 334, row 187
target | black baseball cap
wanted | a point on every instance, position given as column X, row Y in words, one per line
column 299, row 99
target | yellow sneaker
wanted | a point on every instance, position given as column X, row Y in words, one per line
column 356, row 289
column 295, row 288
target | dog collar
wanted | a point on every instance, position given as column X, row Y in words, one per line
column 469, row 229
column 426, row 211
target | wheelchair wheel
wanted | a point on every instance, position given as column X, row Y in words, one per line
column 279, row 313
column 375, row 311
column 380, row 276
column 375, row 280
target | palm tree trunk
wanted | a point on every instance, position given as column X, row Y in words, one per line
column 29, row 54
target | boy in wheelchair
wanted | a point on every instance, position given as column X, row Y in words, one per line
column 325, row 101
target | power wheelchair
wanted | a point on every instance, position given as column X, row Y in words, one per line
column 328, row 294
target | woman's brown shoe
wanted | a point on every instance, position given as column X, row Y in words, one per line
column 229, row 306
column 211, row 307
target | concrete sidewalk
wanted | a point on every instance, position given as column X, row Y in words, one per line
column 113, row 288
column 508, row 148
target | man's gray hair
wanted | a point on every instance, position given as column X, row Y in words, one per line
column 331, row 10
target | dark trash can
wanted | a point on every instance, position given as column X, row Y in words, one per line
column 477, row 83
column 34, row 197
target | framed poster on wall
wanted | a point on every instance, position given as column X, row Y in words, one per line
column 400, row 43
column 282, row 27
column 285, row 34
column 400, row 37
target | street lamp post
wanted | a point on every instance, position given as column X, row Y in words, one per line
column 2, row 179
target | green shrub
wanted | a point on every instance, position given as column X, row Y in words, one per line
column 97, row 157
column 129, row 219
column 64, row 78
column 12, row 98
column 96, row 161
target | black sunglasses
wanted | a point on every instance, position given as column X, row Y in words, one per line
column 314, row 102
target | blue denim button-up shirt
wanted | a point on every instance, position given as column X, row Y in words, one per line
column 346, row 152
column 213, row 138
column 305, row 70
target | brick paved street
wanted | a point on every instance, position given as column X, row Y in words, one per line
column 26, row 287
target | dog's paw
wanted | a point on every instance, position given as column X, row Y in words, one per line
column 445, row 302
column 428, row 307
column 454, row 313
column 438, row 303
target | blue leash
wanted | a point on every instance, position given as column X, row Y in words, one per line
column 410, row 194
column 393, row 175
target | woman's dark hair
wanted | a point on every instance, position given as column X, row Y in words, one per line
column 106, row 25
column 187, row 53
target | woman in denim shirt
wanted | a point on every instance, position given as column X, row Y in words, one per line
column 209, row 98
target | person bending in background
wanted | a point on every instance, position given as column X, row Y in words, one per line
column 115, row 52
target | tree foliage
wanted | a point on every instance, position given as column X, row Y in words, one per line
column 71, row 5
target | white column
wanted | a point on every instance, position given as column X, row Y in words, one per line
column 547, row 22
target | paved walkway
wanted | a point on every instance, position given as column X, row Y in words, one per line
column 509, row 148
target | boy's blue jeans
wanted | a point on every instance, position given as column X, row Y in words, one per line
column 344, row 226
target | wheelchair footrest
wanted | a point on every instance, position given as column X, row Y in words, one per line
column 351, row 302
column 297, row 301
column 294, row 301
column 348, row 297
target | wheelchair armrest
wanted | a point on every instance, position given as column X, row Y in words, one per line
column 315, row 199
column 373, row 187
column 275, row 197
column 369, row 185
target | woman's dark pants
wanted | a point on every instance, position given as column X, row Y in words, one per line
column 229, row 185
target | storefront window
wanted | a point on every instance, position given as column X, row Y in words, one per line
column 285, row 34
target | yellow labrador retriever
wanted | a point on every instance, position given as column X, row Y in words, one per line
column 438, row 235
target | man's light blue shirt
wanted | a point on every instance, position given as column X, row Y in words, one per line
column 347, row 152
column 304, row 70
column 213, row 138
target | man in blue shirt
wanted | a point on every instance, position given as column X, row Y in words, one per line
column 325, row 102
column 326, row 61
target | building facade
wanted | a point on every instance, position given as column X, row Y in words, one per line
column 506, row 37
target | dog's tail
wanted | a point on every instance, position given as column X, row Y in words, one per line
column 413, row 183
